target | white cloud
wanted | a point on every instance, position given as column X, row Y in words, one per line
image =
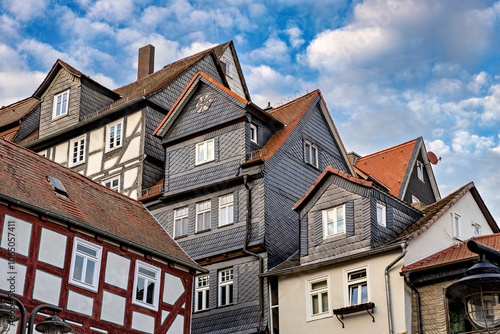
column 44, row 53
column 295, row 37
column 274, row 50
column 27, row 9
column 465, row 143
column 16, row 86
column 195, row 48
column 112, row 10
column 438, row 147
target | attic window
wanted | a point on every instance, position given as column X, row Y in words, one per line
column 420, row 171
column 58, row 186
column 60, row 104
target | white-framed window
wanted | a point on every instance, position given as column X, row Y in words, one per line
column 253, row 133
column 226, row 210
column 420, row 171
column 61, row 102
column 274, row 322
column 357, row 287
column 203, row 214
column 225, row 286
column 318, row 300
column 146, row 285
column 205, row 152
column 85, row 264
column 202, row 299
column 333, row 221
column 457, row 225
column 414, row 199
column 181, row 222
column 476, row 229
column 381, row 214
column 77, row 151
column 114, row 135
column 311, row 154
column 113, row 183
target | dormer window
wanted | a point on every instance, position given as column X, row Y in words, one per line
column 60, row 104
column 253, row 133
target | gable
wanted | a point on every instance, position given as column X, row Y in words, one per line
column 419, row 186
column 230, row 68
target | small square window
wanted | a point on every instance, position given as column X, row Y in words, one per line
column 311, row 154
column 61, row 102
column 205, row 152
column 226, row 210
column 357, row 285
column 202, row 299
column 226, row 287
column 253, row 133
column 114, row 135
column 333, row 221
column 146, row 285
column 77, row 151
column 181, row 222
column 113, row 183
column 381, row 214
column 203, row 214
column 85, row 264
column 420, row 171
column 318, row 303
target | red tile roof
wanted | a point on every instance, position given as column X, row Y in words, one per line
column 388, row 166
column 330, row 170
column 455, row 253
column 10, row 134
column 24, row 178
column 17, row 111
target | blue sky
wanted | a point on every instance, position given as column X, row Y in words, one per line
column 390, row 70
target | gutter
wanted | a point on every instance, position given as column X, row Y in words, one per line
column 258, row 257
column 388, row 286
column 76, row 223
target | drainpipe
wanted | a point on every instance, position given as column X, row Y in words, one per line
column 258, row 257
column 388, row 286
column 417, row 293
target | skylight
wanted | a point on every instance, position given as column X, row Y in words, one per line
column 58, row 186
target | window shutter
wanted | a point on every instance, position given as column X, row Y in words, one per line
column 318, row 227
column 303, row 236
column 389, row 217
column 349, row 215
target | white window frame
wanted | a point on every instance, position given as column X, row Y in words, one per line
column 64, row 109
column 414, row 199
column 476, row 227
column 382, row 214
column 308, row 148
column 111, row 128
column 227, row 284
column 72, row 143
column 229, row 206
column 348, row 284
column 148, row 279
column 272, row 306
column 335, row 221
column 202, row 288
column 456, row 221
column 181, row 218
column 86, row 258
column 204, row 145
column 420, row 171
column 202, row 210
column 310, row 293
column 253, row 133
column 110, row 181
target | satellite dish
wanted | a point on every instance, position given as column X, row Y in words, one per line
column 432, row 158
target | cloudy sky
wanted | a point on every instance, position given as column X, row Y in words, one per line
column 390, row 70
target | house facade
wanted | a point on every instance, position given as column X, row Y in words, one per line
column 100, row 256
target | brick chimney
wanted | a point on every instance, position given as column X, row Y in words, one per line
column 146, row 64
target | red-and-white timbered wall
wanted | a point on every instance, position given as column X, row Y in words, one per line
column 40, row 274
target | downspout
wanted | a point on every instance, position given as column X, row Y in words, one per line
column 245, row 245
column 388, row 286
column 417, row 293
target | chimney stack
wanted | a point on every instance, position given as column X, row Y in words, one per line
column 146, row 64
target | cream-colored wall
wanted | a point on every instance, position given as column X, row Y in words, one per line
column 293, row 299
column 440, row 234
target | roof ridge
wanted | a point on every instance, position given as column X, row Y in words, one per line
column 25, row 100
column 67, row 169
column 293, row 101
column 389, row 149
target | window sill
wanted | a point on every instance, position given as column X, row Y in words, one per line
column 333, row 237
column 319, row 316
column 225, row 225
column 107, row 150
column 201, row 311
column 147, row 306
column 71, row 165
column 83, row 286
column 203, row 162
column 203, row 231
column 222, row 306
column 58, row 117
column 181, row 236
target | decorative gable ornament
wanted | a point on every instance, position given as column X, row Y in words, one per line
column 204, row 102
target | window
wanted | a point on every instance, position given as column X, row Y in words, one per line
column 85, row 264
column 203, row 216
column 114, row 135
column 476, row 228
column 181, row 222
column 253, row 133
column 414, row 199
column 60, row 104
column 226, row 215
column 113, row 183
column 226, row 287
column 334, row 221
column 457, row 225
column 420, row 171
column 77, row 151
column 311, row 154
column 274, row 306
column 146, row 285
column 205, row 152
column 318, row 300
column 202, row 293
column 381, row 214
column 357, row 285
